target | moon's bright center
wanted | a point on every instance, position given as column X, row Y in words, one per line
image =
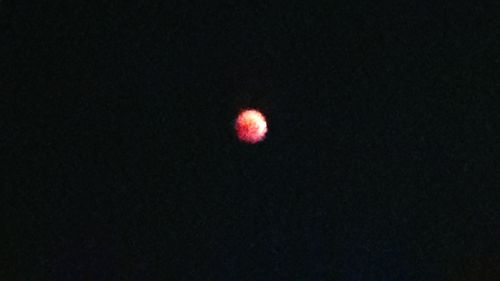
column 251, row 126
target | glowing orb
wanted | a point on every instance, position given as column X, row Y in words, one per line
column 251, row 126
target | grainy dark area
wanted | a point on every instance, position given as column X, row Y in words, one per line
column 119, row 159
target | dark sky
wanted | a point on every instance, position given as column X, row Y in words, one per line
column 121, row 163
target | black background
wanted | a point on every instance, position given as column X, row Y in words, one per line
column 120, row 160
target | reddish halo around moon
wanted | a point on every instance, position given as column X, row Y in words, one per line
column 251, row 126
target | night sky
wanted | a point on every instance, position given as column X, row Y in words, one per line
column 120, row 160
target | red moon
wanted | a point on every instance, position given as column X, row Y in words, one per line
column 251, row 126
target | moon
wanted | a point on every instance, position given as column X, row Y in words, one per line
column 251, row 126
